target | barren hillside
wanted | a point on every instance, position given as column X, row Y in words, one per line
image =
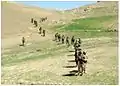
column 45, row 61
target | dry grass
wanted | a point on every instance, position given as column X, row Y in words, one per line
column 42, row 61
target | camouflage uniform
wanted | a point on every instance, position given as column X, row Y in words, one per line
column 84, row 57
column 79, row 40
column 67, row 41
column 43, row 32
column 81, row 62
column 56, row 35
column 63, row 37
column 23, row 41
column 35, row 23
column 72, row 40
column 76, row 45
column 40, row 30
column 59, row 37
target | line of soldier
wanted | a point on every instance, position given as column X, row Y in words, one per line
column 36, row 23
column 59, row 37
column 40, row 29
column 80, row 55
column 40, row 32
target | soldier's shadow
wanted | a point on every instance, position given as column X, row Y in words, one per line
column 53, row 40
column 71, row 55
column 21, row 45
column 42, row 35
column 71, row 51
column 69, row 66
column 71, row 60
column 71, row 73
column 59, row 43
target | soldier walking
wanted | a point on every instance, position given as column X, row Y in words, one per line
column 40, row 30
column 63, row 37
column 79, row 40
column 56, row 36
column 81, row 62
column 67, row 41
column 72, row 40
column 43, row 32
column 31, row 20
column 35, row 23
column 59, row 37
column 23, row 41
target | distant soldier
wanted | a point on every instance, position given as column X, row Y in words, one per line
column 72, row 40
column 31, row 20
column 59, row 37
column 56, row 36
column 43, row 32
column 76, row 44
column 40, row 30
column 23, row 41
column 67, row 41
column 63, row 37
column 79, row 40
column 35, row 23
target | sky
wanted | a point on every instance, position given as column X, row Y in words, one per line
column 57, row 4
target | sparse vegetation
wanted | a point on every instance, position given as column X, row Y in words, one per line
column 42, row 60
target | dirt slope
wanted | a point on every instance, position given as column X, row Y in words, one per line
column 42, row 60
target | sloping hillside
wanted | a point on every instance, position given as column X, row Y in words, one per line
column 98, row 16
column 103, row 8
column 44, row 61
column 16, row 17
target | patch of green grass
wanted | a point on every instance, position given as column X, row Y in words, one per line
column 88, row 27
column 93, row 23
column 21, row 57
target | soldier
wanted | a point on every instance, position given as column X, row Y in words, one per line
column 76, row 44
column 76, row 55
column 56, row 36
column 35, row 23
column 63, row 37
column 23, row 41
column 59, row 37
column 72, row 40
column 81, row 62
column 31, row 20
column 40, row 30
column 76, row 47
column 43, row 32
column 67, row 41
column 79, row 40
